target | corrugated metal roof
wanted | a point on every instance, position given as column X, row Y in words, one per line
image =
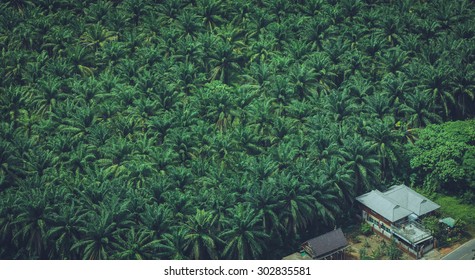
column 411, row 200
column 326, row 244
column 397, row 202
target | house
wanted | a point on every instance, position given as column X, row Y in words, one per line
column 329, row 246
column 395, row 214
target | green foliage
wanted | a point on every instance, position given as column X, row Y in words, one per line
column 366, row 243
column 393, row 252
column 443, row 156
column 453, row 207
column 217, row 129
column 437, row 229
column 366, row 229
column 363, row 254
column 378, row 253
column 468, row 197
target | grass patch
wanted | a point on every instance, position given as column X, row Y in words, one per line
column 453, row 207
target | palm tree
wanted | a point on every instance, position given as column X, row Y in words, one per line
column 428, row 29
column 390, row 29
column 40, row 161
column 188, row 23
column 33, row 221
column 261, row 167
column 335, row 177
column 373, row 45
column 260, row 112
column 136, row 245
column 260, row 75
column 378, row 106
column 172, row 245
column 258, row 20
column 140, row 173
column 247, row 139
column 157, row 219
column 97, row 37
column 281, row 90
column 201, row 240
column 419, row 110
column 8, row 226
column 262, row 50
column 281, row 33
column 396, row 87
column 79, row 159
column 12, row 100
column 161, row 125
column 78, row 124
column 98, row 12
column 464, row 81
column 324, row 143
column 302, row 79
column 210, row 12
column 224, row 59
column 359, row 88
column 341, row 105
column 361, row 159
column 48, row 94
column 216, row 196
column 394, row 60
column 98, row 237
column 10, row 164
column 65, row 230
column 264, row 199
column 118, row 205
column 324, row 75
column 437, row 82
column 183, row 143
column 115, row 156
column 223, row 148
column 298, row 203
column 315, row 31
column 188, row 77
column 327, row 205
column 217, row 104
column 282, row 129
column 136, row 9
column 86, row 91
column 82, row 60
column 243, row 236
column 351, row 8
column 385, row 140
column 299, row 50
column 181, row 204
column 336, row 48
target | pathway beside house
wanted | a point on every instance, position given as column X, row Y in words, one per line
column 372, row 246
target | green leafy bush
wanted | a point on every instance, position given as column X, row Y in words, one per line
column 444, row 156
column 366, row 229
column 393, row 251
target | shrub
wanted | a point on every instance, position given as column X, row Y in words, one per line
column 468, row 197
column 366, row 229
column 366, row 243
column 363, row 254
column 393, row 251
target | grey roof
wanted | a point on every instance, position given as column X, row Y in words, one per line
column 409, row 199
column 327, row 243
column 397, row 202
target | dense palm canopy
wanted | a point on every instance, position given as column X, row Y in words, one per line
column 213, row 129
